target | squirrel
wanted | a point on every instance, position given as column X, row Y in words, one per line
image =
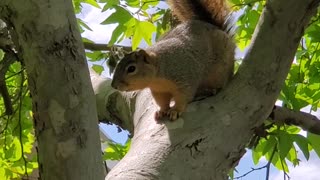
column 192, row 59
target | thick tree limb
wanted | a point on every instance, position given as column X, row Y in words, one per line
column 306, row 121
column 64, row 114
column 113, row 106
column 194, row 147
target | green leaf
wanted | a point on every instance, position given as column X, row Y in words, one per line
column 14, row 152
column 302, row 143
column 235, row 1
column 293, row 129
column 1, row 54
column 270, row 144
column 77, row 6
column 95, row 56
column 92, row 2
column 133, row 3
column 285, row 143
column 116, row 151
column 125, row 24
column 292, row 156
column 98, row 68
column 110, row 4
column 83, row 24
column 257, row 151
column 246, row 26
column 147, row 3
column 277, row 162
column 315, row 142
column 87, row 40
column 117, row 35
column 143, row 30
column 120, row 16
column 231, row 174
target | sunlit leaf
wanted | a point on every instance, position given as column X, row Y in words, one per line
column 92, row 2
column 315, row 142
column 257, row 151
column 302, row 143
column 285, row 144
column 143, row 30
column 98, row 68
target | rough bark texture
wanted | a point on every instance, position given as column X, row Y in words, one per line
column 63, row 102
column 210, row 137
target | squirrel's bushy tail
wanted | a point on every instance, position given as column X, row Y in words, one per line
column 211, row 11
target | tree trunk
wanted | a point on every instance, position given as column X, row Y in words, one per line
column 210, row 138
column 65, row 119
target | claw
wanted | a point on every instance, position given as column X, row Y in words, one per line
column 173, row 114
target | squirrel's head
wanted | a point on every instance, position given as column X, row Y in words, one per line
column 134, row 71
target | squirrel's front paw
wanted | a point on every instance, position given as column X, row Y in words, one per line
column 173, row 114
column 159, row 114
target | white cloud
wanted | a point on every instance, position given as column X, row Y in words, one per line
column 307, row 170
column 93, row 17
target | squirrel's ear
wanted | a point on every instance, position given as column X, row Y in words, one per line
column 143, row 55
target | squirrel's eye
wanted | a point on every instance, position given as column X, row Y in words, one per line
column 131, row 69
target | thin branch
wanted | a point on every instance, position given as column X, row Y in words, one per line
column 267, row 166
column 284, row 172
column 252, row 169
column 306, row 121
column 8, row 59
column 20, row 126
column 270, row 160
column 103, row 47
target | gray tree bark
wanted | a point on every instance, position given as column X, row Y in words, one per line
column 65, row 117
column 209, row 139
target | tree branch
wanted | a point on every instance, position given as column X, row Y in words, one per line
column 306, row 121
column 9, row 58
column 64, row 114
column 103, row 47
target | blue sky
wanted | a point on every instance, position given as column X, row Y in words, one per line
column 307, row 170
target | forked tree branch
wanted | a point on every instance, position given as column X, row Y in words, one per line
column 212, row 134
